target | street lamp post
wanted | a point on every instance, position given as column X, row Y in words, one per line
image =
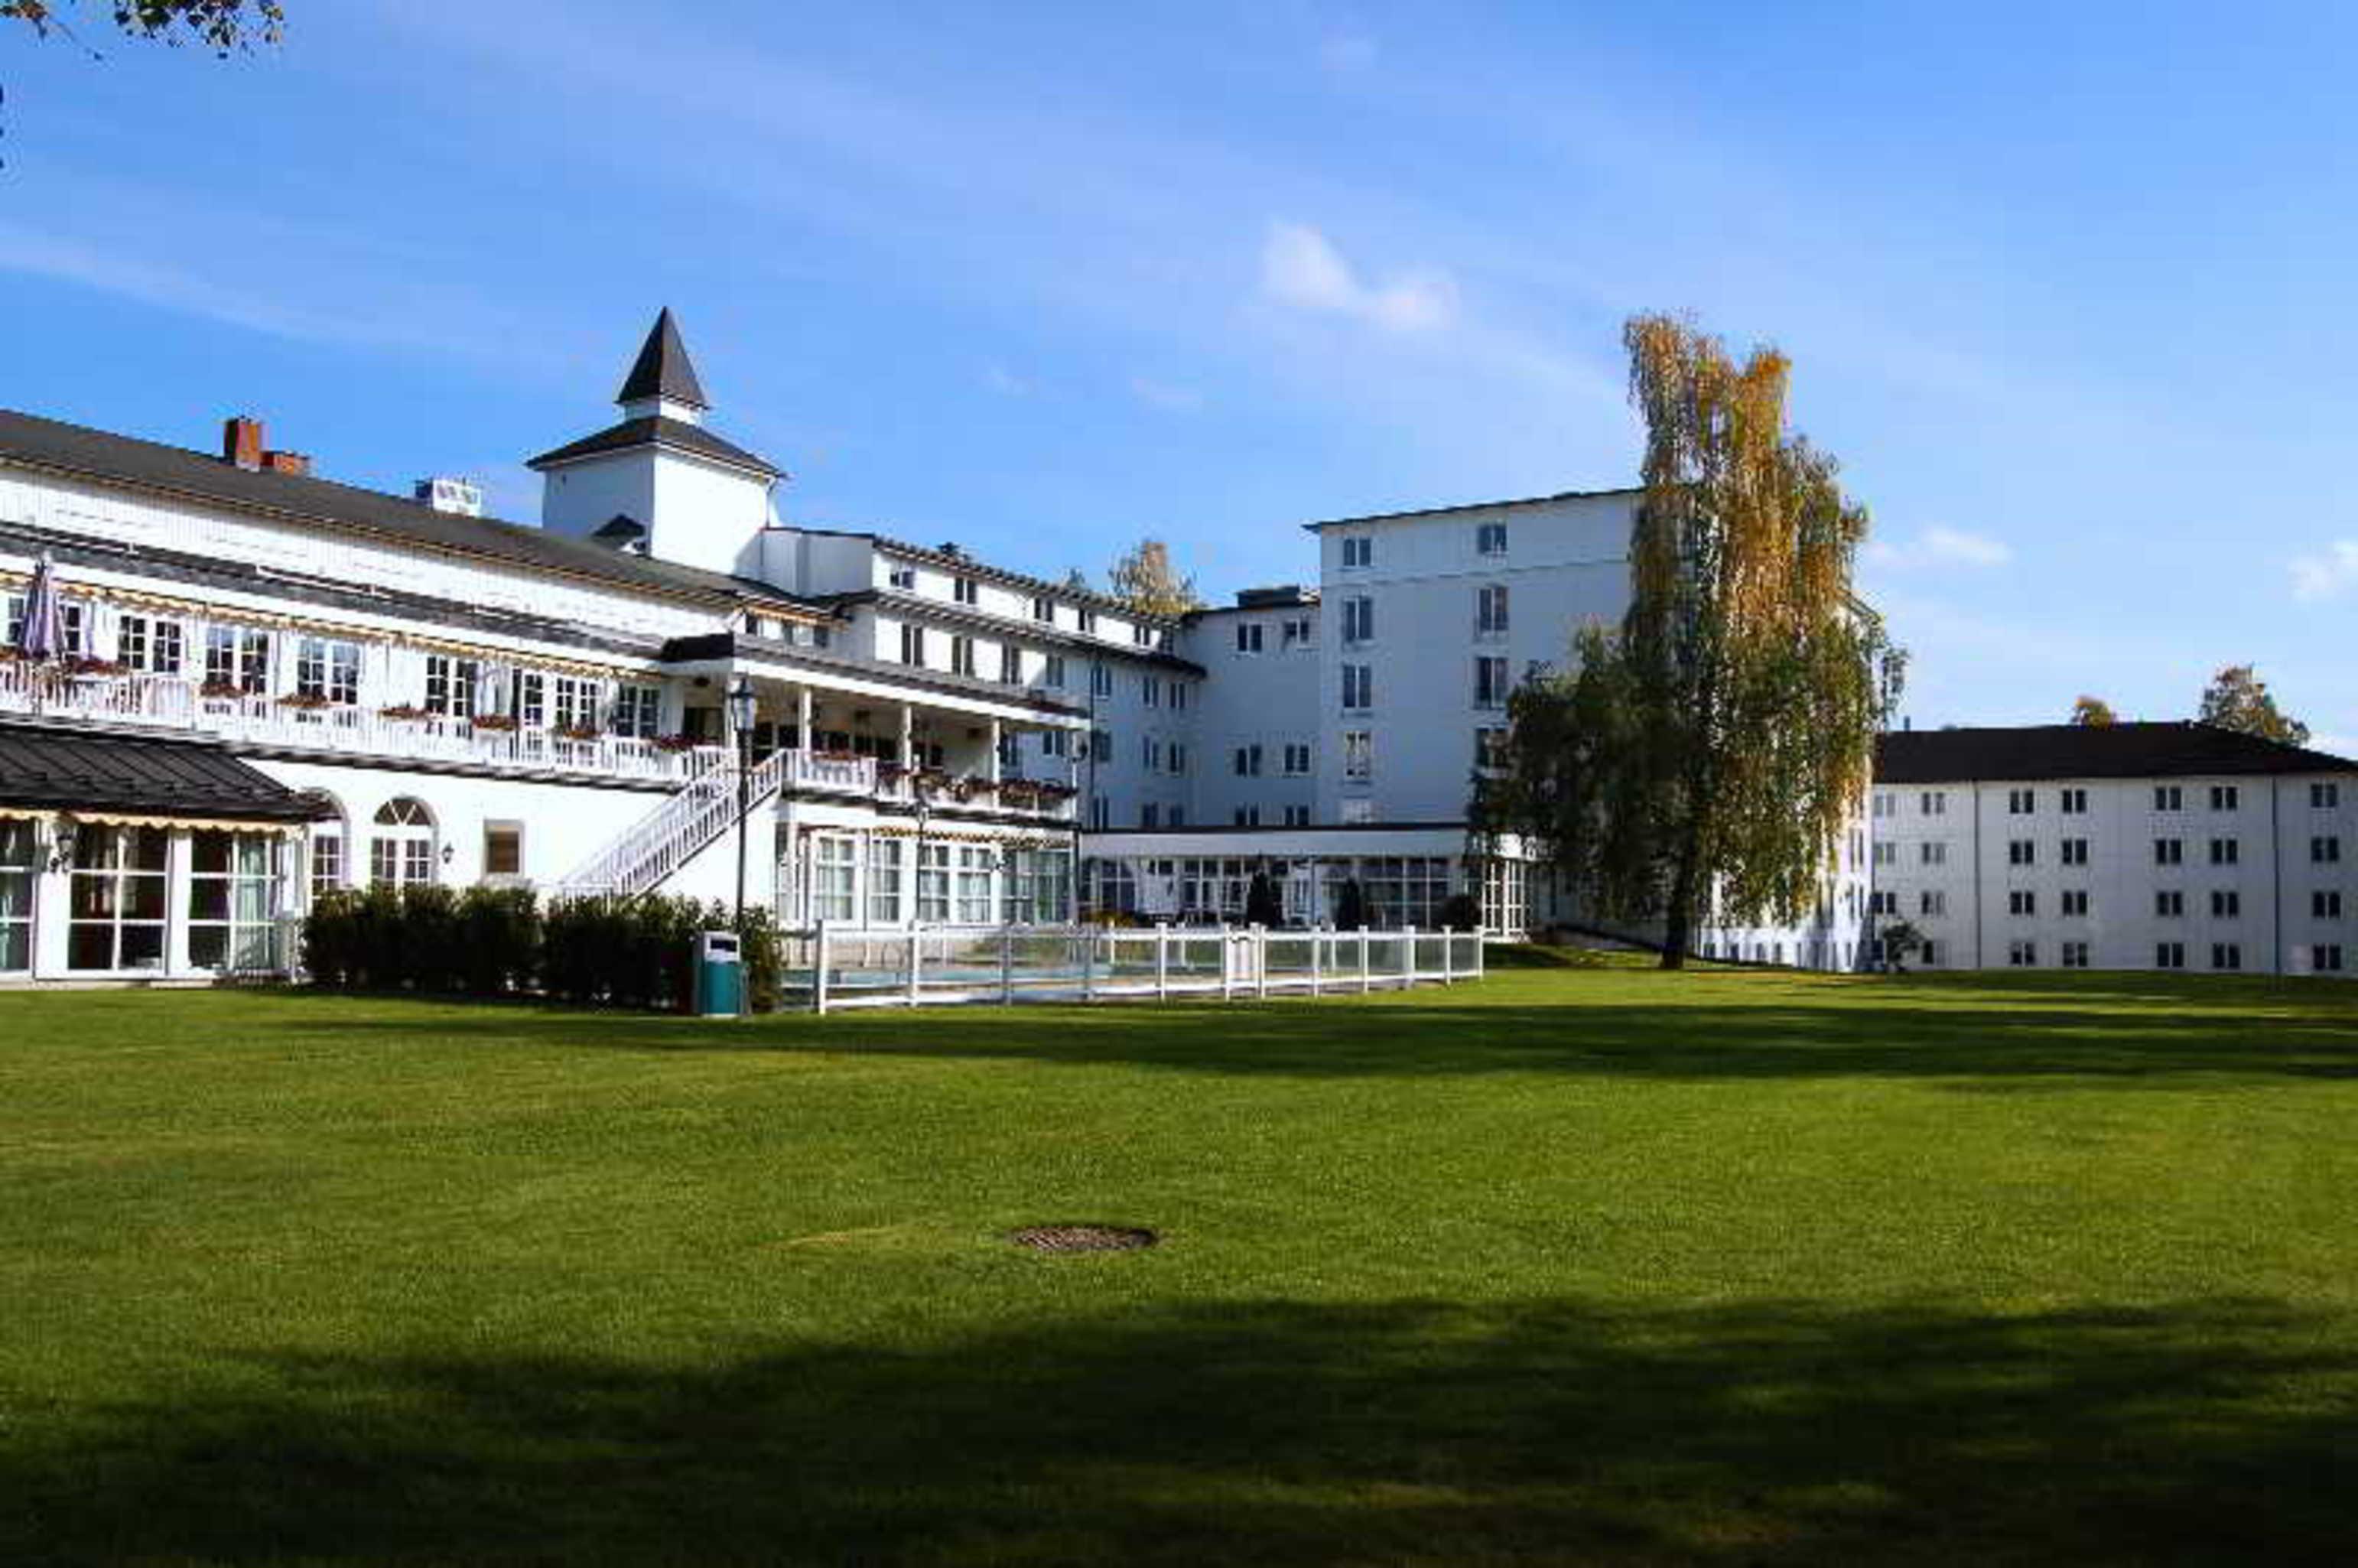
column 741, row 715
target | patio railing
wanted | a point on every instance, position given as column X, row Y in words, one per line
column 827, row 968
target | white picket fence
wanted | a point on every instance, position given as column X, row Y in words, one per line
column 827, row 968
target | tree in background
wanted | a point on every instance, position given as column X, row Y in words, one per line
column 1078, row 581
column 2236, row 699
column 1145, row 580
column 224, row 27
column 2093, row 710
column 1715, row 748
column 1899, row 939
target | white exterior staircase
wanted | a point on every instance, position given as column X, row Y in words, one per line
column 671, row 835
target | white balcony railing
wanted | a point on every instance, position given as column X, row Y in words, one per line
column 170, row 702
column 173, row 702
column 837, row 773
column 826, row 771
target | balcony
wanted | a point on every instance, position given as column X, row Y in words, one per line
column 174, row 702
column 408, row 735
column 848, row 774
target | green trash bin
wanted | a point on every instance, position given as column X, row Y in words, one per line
column 720, row 975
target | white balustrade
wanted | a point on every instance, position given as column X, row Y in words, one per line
column 832, row 966
column 177, row 703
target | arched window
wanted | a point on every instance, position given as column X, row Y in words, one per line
column 402, row 849
column 331, row 863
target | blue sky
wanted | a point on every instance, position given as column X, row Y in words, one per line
column 2067, row 288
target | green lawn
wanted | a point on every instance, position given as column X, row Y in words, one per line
column 1594, row 1265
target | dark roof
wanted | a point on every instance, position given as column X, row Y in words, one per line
column 1293, row 596
column 934, row 612
column 658, row 430
column 1479, row 506
column 661, row 369
column 959, row 561
column 199, row 572
column 28, row 440
column 715, row 645
column 79, row 770
column 2177, row 750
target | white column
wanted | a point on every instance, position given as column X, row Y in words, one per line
column 52, row 903
column 908, row 738
column 180, row 864
column 993, row 771
column 803, row 718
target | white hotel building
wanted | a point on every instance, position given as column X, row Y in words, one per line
column 280, row 684
column 2116, row 846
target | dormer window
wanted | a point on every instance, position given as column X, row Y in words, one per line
column 1491, row 539
column 1359, row 550
column 903, row 579
column 1089, row 620
column 963, row 590
column 1043, row 610
column 1144, row 635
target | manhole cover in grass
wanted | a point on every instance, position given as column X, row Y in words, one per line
column 1082, row 1238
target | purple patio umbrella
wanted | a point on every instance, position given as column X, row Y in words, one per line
column 43, row 633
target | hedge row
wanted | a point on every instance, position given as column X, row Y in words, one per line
column 493, row 941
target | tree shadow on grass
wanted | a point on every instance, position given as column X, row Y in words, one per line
column 1981, row 1036
column 1542, row 1431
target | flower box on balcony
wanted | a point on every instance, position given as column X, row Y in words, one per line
column 309, row 701
column 577, row 732
column 681, row 741
column 494, row 723
column 974, row 789
column 403, row 710
column 222, row 691
column 83, row 667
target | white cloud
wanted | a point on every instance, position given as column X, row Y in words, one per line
column 1005, row 382
column 2329, row 573
column 1939, row 547
column 1160, row 394
column 1301, row 268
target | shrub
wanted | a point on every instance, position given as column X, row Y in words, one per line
column 1351, row 906
column 376, row 939
column 758, row 934
column 1262, row 906
column 1460, row 912
column 490, row 941
column 499, row 932
column 428, row 945
column 331, row 942
column 628, row 952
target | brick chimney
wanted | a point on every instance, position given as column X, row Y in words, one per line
column 241, row 441
column 296, row 463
